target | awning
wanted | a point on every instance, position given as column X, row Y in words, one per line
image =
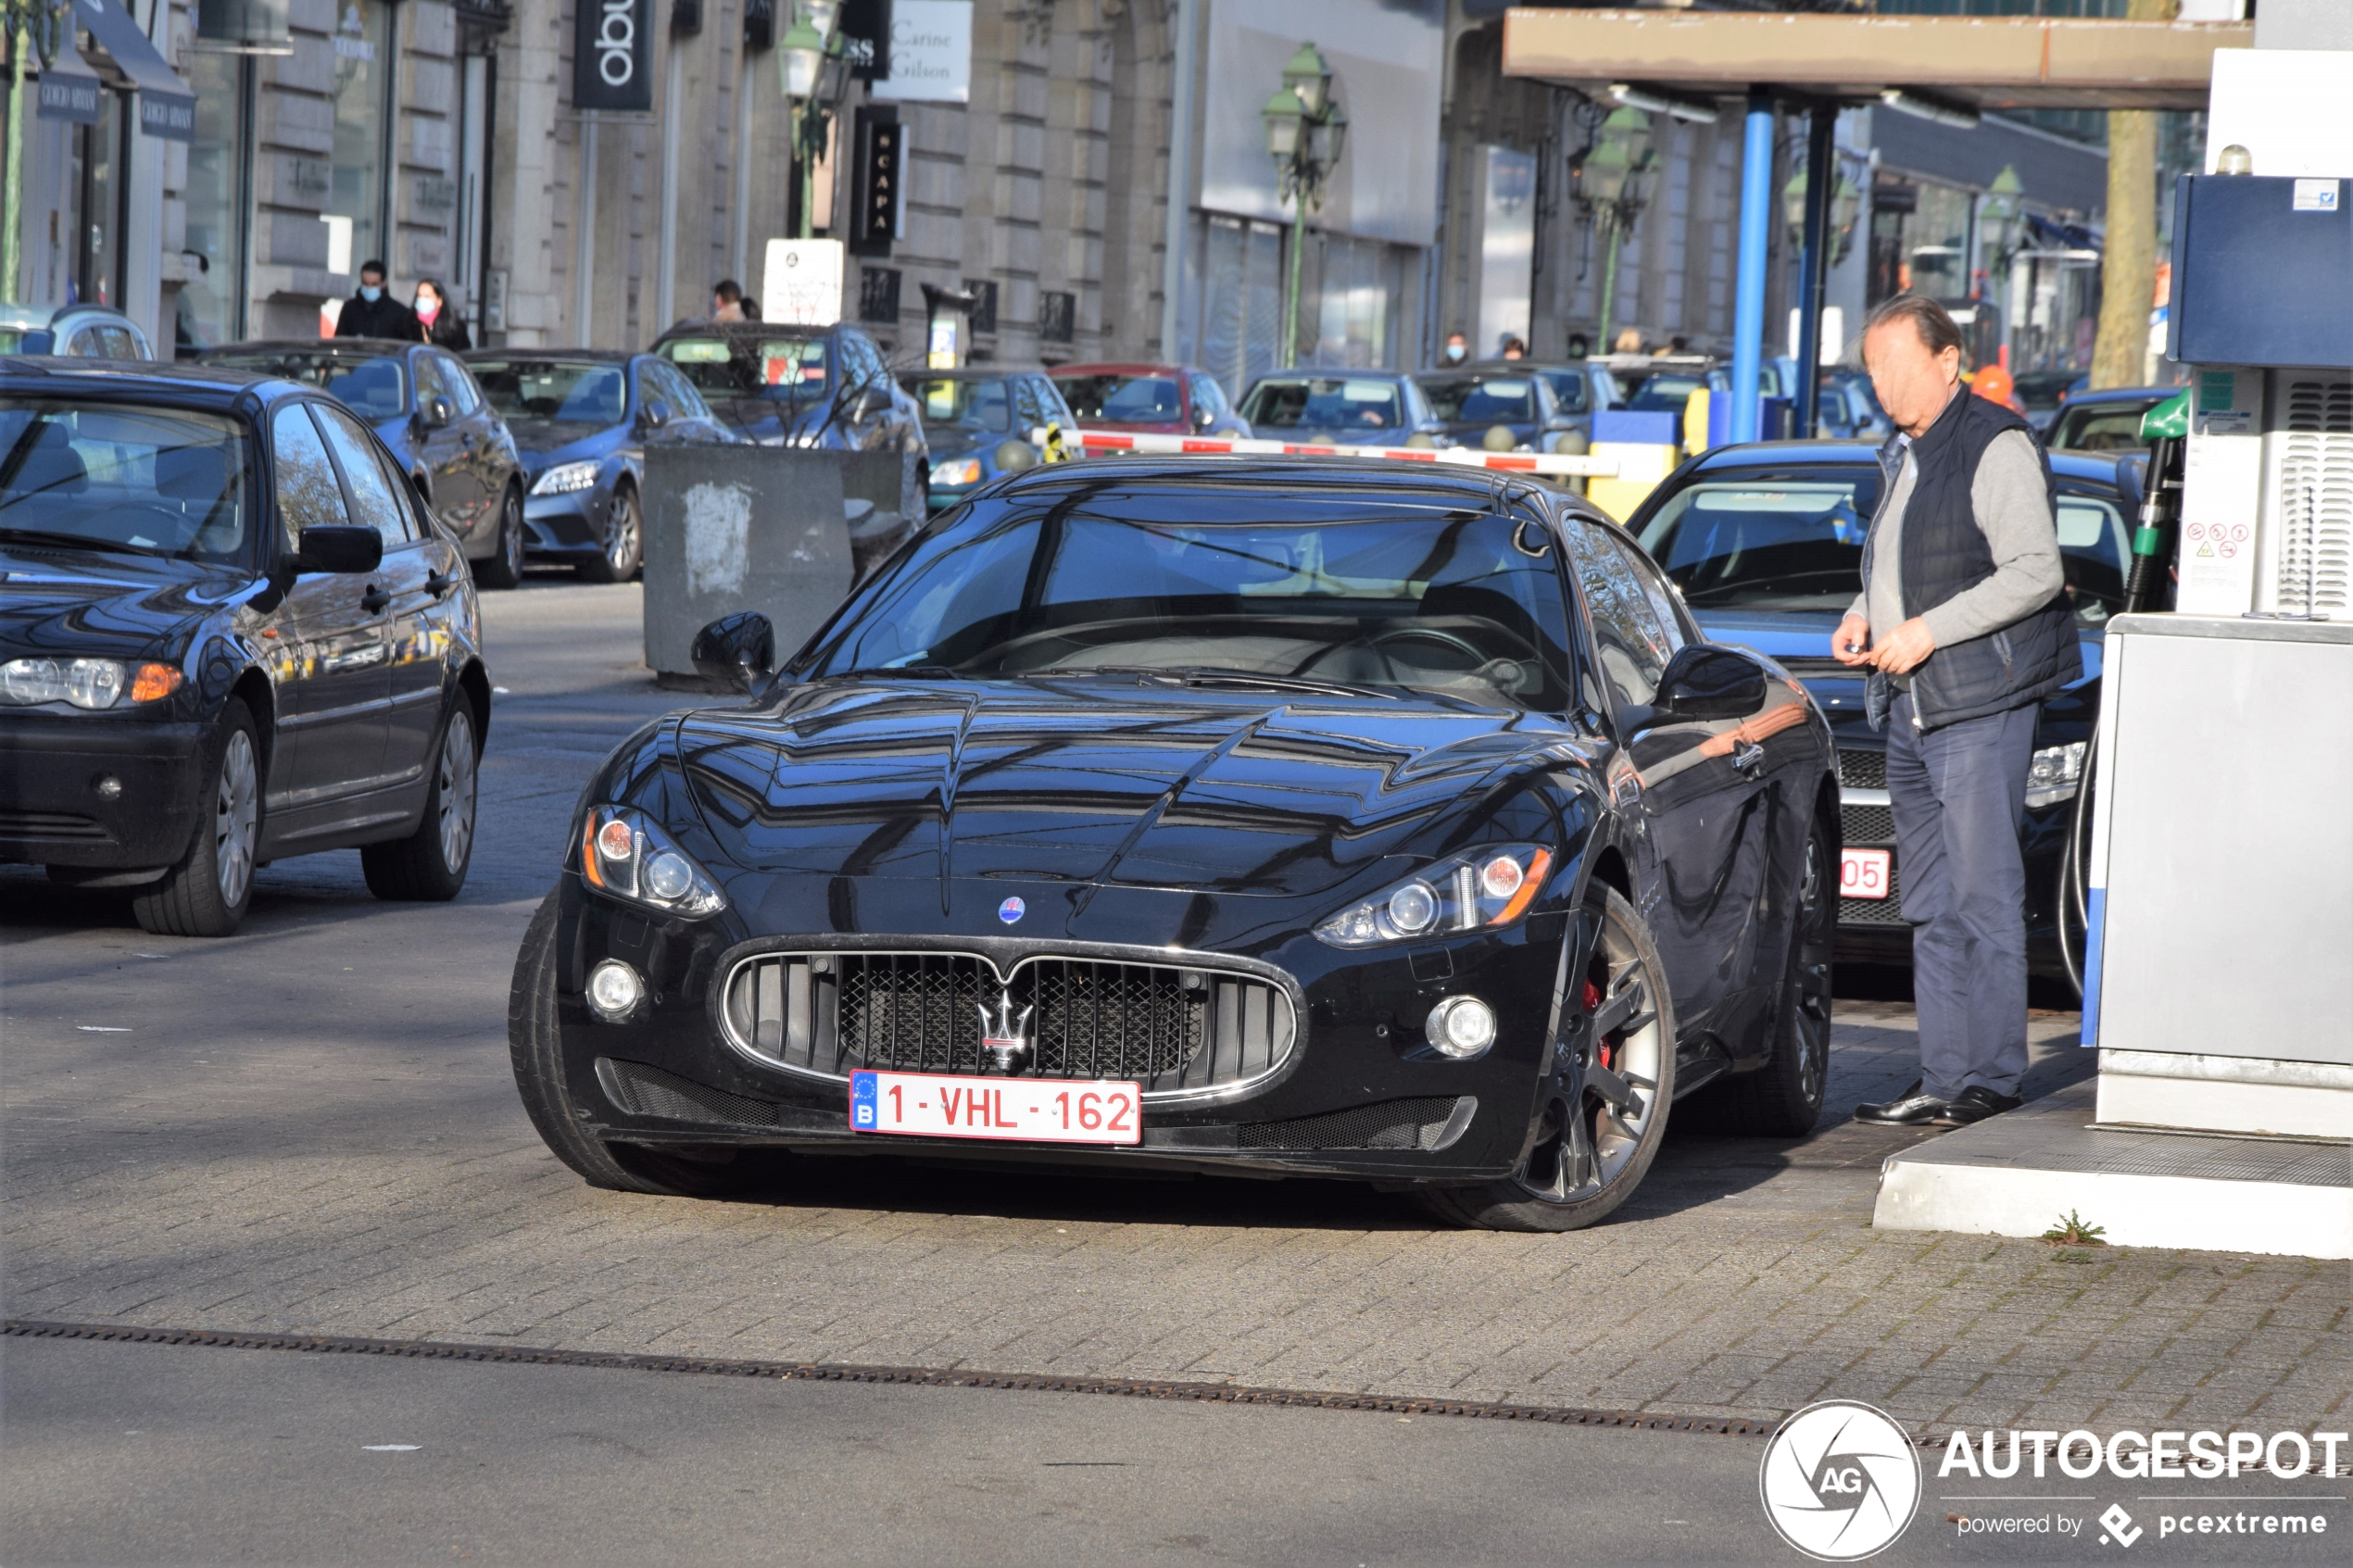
column 1981, row 62
column 167, row 104
column 70, row 90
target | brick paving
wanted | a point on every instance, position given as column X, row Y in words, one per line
column 310, row 1128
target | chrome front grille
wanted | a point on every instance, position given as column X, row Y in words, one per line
column 1174, row 1028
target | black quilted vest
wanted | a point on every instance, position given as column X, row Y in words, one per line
column 1945, row 554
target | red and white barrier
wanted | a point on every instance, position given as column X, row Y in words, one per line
column 1589, row 467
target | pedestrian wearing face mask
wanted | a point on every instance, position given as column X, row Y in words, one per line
column 444, row 328
column 1457, row 348
column 373, row 313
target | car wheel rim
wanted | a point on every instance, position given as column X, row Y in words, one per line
column 621, row 541
column 236, row 810
column 457, row 790
column 1581, row 1149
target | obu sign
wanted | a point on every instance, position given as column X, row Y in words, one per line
column 613, row 55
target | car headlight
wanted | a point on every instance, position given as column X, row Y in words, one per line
column 623, row 853
column 1486, row 888
column 85, row 683
column 2054, row 774
column 963, row 470
column 565, row 478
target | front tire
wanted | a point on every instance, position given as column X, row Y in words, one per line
column 208, row 893
column 535, row 1044
column 622, row 550
column 504, row 567
column 1587, row 1157
column 429, row 866
column 1783, row 1098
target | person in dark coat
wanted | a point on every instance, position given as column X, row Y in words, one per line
column 444, row 327
column 373, row 313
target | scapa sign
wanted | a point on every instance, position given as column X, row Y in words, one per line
column 613, row 55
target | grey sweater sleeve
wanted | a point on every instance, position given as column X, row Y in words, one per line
column 2014, row 513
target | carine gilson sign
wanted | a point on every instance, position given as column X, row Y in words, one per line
column 613, row 55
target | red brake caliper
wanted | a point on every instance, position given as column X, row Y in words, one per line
column 1593, row 1000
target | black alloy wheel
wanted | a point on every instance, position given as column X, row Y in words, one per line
column 208, row 893
column 1599, row 1123
column 429, row 866
column 1783, row 1098
column 624, row 542
column 504, row 567
column 535, row 1044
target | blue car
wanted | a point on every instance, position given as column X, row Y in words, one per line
column 423, row 404
column 1765, row 544
column 582, row 419
column 1342, row 408
column 977, row 423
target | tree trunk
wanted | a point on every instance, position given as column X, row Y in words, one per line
column 2128, row 263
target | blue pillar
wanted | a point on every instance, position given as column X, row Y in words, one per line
column 1748, row 299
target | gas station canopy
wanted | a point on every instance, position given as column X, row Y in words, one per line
column 1982, row 62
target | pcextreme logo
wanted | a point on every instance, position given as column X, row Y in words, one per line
column 1840, row 1480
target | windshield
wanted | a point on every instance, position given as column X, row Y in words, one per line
column 963, row 403
column 792, row 368
column 1568, row 389
column 1136, row 399
column 1324, row 403
column 554, row 389
column 1794, row 541
column 374, row 389
column 1393, row 597
column 160, row 482
column 1482, row 399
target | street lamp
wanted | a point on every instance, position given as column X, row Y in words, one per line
column 1307, row 132
column 1610, row 187
column 814, row 69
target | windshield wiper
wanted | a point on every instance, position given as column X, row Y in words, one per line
column 78, row 541
column 1207, row 675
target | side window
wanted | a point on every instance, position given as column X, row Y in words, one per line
column 1050, row 398
column 1662, row 596
column 1029, row 410
column 460, row 386
column 307, row 494
column 685, row 402
column 1633, row 645
column 429, row 382
column 373, row 500
column 1204, row 392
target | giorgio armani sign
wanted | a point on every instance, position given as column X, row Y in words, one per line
column 613, row 55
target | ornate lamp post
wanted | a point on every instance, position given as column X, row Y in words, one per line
column 1611, row 184
column 1306, row 131
column 814, row 64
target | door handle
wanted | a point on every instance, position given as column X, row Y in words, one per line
column 439, row 585
column 374, row 599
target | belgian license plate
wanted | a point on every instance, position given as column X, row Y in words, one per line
column 1864, row 874
column 937, row 1105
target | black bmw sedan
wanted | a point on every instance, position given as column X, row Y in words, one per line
column 1766, row 545
column 423, row 405
column 1287, row 816
column 581, row 419
column 230, row 633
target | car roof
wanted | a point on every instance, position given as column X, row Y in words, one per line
column 746, row 330
column 2095, row 466
column 352, row 348
column 1318, row 373
column 210, row 385
column 1118, row 368
column 1285, row 474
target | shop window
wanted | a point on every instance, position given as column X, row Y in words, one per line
column 356, row 208
column 207, row 310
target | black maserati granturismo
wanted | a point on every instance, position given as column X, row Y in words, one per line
column 1313, row 817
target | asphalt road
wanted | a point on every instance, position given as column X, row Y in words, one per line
column 309, row 1128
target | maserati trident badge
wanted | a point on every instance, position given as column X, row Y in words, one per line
column 1005, row 1037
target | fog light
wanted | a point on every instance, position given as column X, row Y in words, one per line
column 1462, row 1027
column 109, row 787
column 614, row 990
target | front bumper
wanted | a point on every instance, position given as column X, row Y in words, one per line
column 1361, row 1094
column 1875, row 931
column 51, row 812
column 566, row 526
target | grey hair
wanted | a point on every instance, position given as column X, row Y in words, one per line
column 1938, row 331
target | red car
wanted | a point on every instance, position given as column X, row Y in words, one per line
column 1147, row 400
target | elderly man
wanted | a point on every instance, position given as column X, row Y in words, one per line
column 1965, row 625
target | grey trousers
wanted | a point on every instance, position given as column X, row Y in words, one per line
column 1960, row 794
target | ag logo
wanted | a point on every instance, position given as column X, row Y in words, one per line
column 1840, row 1480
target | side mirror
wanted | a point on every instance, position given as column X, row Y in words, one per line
column 1707, row 682
column 735, row 652
column 1204, row 416
column 657, row 414
column 437, row 412
column 339, row 548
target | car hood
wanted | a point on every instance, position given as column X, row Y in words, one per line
column 1036, row 782
column 98, row 604
column 545, row 442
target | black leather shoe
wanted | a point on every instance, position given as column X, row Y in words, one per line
column 1910, row 1109
column 1975, row 1104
